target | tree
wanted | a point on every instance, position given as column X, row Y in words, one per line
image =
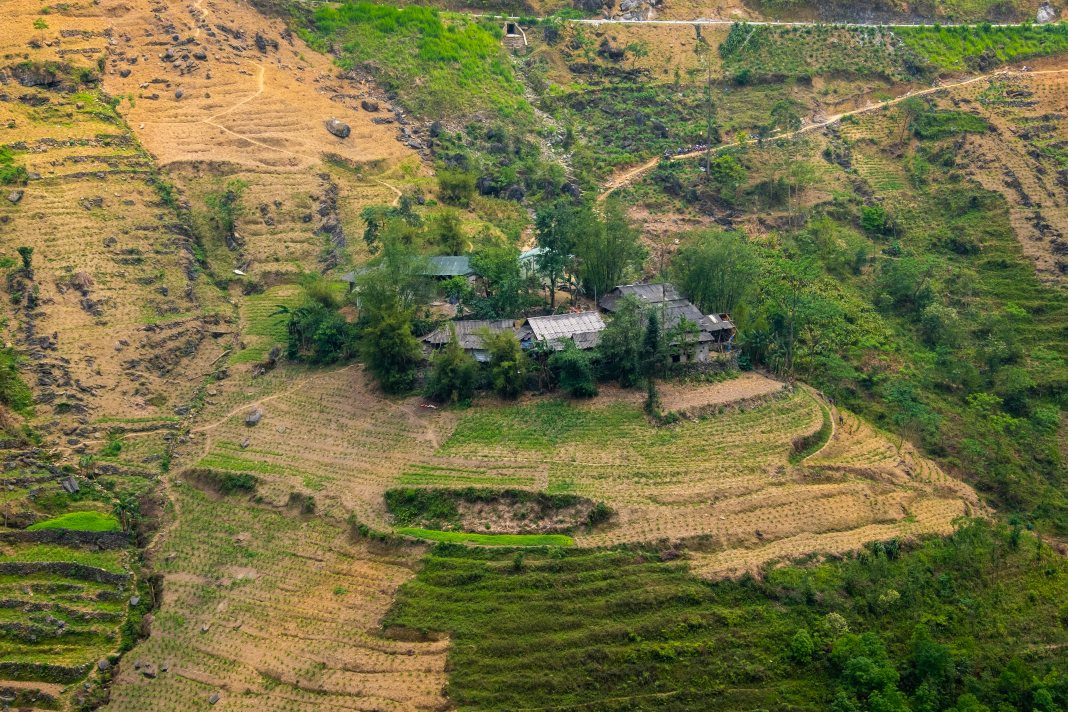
column 636, row 50
column 801, row 646
column 621, row 346
column 905, row 284
column 392, row 281
column 556, row 227
column 608, row 251
column 653, row 346
column 789, row 304
column 446, row 231
column 727, row 174
column 319, row 334
column 453, row 374
column 505, row 294
column 717, row 271
column 456, row 187
column 508, row 364
column 391, row 352
column 573, row 371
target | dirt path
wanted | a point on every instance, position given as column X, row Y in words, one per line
column 631, row 175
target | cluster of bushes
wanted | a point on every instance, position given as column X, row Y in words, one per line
column 438, row 508
column 11, row 172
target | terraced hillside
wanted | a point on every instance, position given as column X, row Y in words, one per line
column 726, row 477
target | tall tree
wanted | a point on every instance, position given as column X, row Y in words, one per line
column 391, row 351
column 621, row 348
column 508, row 364
column 608, row 251
column 555, row 225
column 716, row 270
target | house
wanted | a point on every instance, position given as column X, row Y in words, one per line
column 528, row 260
column 446, row 266
column 469, row 335
column 714, row 332
column 646, row 294
column 584, row 328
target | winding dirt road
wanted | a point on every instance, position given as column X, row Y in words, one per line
column 631, row 175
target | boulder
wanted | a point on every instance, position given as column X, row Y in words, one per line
column 368, row 105
column 1045, row 13
column 69, row 484
column 15, row 196
column 254, row 417
column 178, row 93
column 213, row 698
column 338, row 128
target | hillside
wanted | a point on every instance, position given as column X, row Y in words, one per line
column 236, row 476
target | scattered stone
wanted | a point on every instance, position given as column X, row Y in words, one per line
column 134, row 600
column 150, row 671
column 338, row 128
column 200, row 55
column 69, row 484
column 124, row 72
column 245, row 443
column 178, row 93
column 103, row 664
column 15, row 196
column 213, row 698
column 254, row 417
column 368, row 105
column 205, row 628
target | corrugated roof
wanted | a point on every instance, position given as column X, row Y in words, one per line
column 645, row 293
column 531, row 254
column 584, row 328
column 448, row 266
column 468, row 332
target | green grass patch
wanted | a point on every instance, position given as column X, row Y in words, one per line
column 983, row 46
column 439, row 65
column 80, row 521
column 942, row 124
column 542, row 425
column 489, row 539
column 632, row 629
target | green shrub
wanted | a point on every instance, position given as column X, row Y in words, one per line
column 573, row 371
column 453, row 374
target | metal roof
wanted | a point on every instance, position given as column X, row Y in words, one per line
column 468, row 332
column 584, row 328
column 448, row 266
column 645, row 293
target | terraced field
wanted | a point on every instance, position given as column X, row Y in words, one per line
column 270, row 610
column 725, row 479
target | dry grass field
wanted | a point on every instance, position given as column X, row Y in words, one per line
column 725, row 477
column 274, row 611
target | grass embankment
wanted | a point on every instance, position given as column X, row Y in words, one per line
column 489, row 539
column 632, row 629
column 80, row 521
column 440, row 65
column 983, row 47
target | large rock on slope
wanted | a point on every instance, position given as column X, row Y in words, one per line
column 338, row 128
